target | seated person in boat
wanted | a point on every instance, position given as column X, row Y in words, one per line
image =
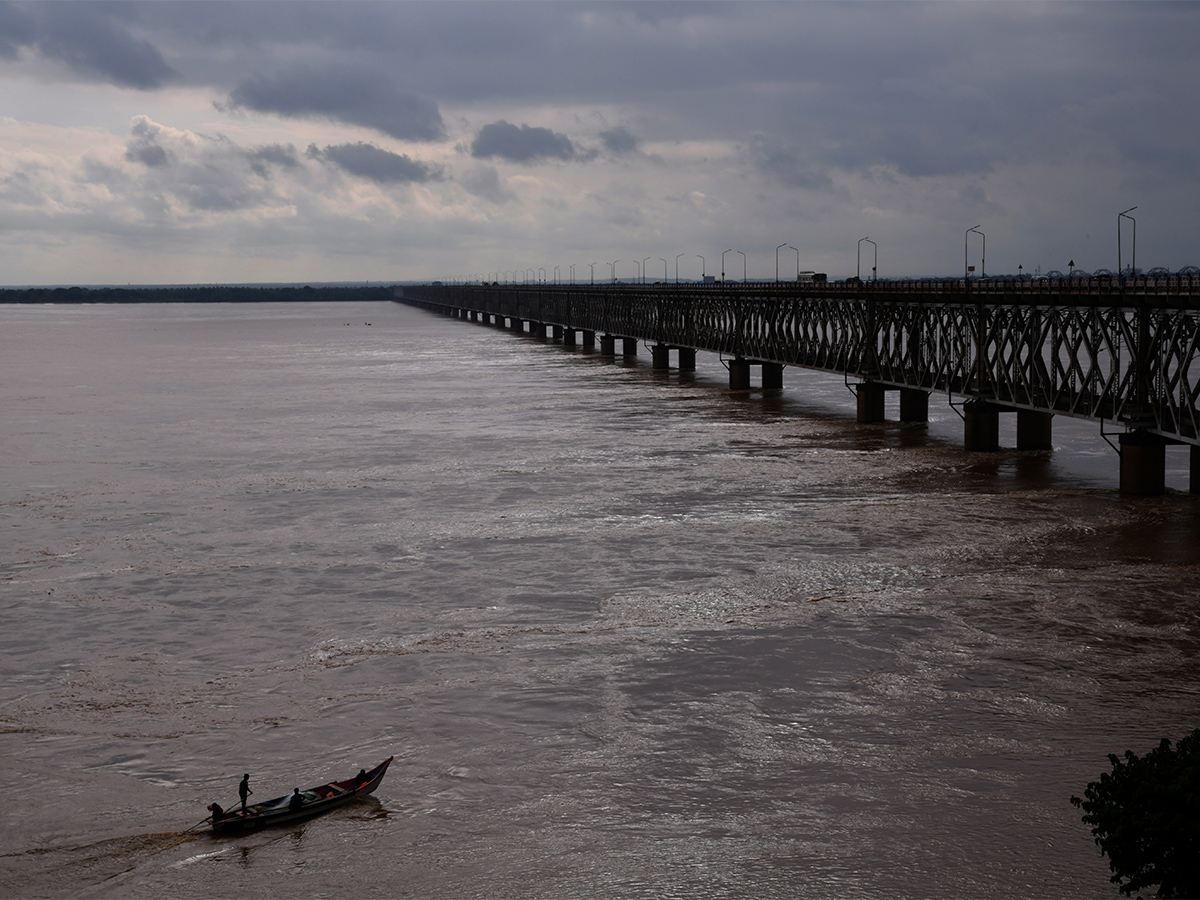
column 297, row 801
column 360, row 779
column 217, row 812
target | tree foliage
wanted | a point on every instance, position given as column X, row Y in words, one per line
column 1145, row 817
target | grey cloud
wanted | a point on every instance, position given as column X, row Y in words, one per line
column 208, row 174
column 144, row 146
column 787, row 165
column 95, row 43
column 619, row 140
column 484, row 182
column 274, row 154
column 520, row 143
column 375, row 164
column 353, row 96
column 17, row 30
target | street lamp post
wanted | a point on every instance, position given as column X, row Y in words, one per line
column 858, row 259
column 664, row 262
column 702, row 269
column 1133, row 262
column 730, row 250
column 777, row 249
column 874, row 260
column 572, row 268
column 743, row 265
column 797, row 249
column 982, row 259
column 612, row 270
column 592, row 266
column 644, row 261
column 677, row 255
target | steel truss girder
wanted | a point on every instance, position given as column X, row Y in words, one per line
column 1107, row 357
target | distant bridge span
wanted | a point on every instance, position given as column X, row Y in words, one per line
column 1112, row 351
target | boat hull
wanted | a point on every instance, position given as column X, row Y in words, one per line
column 316, row 801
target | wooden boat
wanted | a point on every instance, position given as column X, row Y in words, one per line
column 313, row 802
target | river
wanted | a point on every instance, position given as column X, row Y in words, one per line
column 626, row 633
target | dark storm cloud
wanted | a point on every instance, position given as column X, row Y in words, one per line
column 378, row 165
column 520, row 143
column 353, row 96
column 17, row 30
column 94, row 40
column 619, row 140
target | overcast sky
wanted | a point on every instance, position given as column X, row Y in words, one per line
column 180, row 142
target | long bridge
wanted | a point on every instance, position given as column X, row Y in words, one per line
column 1117, row 351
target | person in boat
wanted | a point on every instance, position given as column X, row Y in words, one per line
column 244, row 790
column 217, row 812
column 297, row 801
column 360, row 779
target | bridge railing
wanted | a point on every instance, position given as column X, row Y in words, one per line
column 1129, row 358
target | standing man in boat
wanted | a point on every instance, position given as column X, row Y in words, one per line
column 244, row 790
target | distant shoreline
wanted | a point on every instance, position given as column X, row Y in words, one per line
column 205, row 294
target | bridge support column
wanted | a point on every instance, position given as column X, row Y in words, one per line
column 870, row 402
column 608, row 345
column 589, row 340
column 558, row 332
column 1143, row 464
column 628, row 347
column 772, row 376
column 660, row 355
column 739, row 374
column 687, row 359
column 981, row 426
column 914, row 405
column 517, row 325
column 568, row 337
column 1034, row 429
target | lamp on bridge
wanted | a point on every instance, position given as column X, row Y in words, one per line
column 858, row 265
column 1133, row 262
column 983, row 258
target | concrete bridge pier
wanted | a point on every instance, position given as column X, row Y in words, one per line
column 739, row 374
column 981, row 426
column 629, row 347
column 608, row 345
column 772, row 376
column 660, row 356
column 557, row 332
column 568, row 337
column 1144, row 464
column 589, row 340
column 914, row 405
column 870, row 402
column 1034, row 429
column 687, row 359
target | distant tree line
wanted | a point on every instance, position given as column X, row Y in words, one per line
column 197, row 294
